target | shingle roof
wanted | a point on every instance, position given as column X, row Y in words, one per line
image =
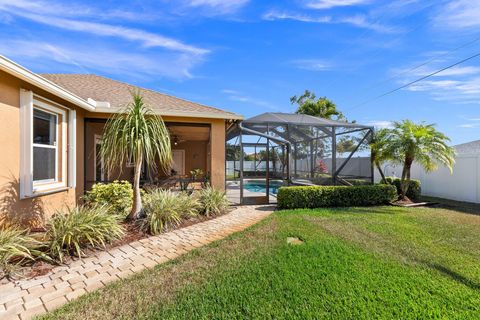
column 472, row 147
column 118, row 94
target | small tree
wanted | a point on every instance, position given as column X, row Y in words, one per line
column 321, row 107
column 409, row 142
column 138, row 134
column 381, row 150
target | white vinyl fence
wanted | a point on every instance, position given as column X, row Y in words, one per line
column 462, row 185
column 356, row 166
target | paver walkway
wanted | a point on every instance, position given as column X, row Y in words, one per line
column 27, row 298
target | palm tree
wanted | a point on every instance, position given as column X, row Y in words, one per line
column 380, row 150
column 136, row 134
column 422, row 143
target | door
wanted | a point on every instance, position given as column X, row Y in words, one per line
column 255, row 169
column 178, row 161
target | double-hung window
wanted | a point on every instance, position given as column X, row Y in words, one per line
column 48, row 146
column 45, row 146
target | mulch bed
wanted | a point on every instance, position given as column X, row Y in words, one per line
column 406, row 202
column 132, row 233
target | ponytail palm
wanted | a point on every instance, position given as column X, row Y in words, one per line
column 421, row 143
column 136, row 134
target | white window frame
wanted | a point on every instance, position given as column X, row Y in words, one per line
column 56, row 113
column 29, row 188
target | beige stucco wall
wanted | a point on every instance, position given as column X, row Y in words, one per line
column 33, row 211
column 195, row 155
column 36, row 211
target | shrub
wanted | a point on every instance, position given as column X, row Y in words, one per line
column 165, row 209
column 16, row 247
column 213, row 201
column 70, row 232
column 118, row 196
column 334, row 196
column 414, row 189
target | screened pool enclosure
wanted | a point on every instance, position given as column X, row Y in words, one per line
column 272, row 150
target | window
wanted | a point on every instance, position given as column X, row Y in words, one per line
column 45, row 149
column 48, row 145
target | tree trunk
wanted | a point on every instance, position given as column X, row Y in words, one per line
column 137, row 199
column 379, row 168
column 405, row 182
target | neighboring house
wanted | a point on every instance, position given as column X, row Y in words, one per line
column 51, row 128
column 472, row 147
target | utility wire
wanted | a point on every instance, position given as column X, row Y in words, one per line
column 376, row 52
column 415, row 81
column 423, row 64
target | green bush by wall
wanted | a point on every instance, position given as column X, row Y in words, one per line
column 335, row 196
column 118, row 196
column 414, row 189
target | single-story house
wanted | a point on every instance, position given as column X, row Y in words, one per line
column 51, row 127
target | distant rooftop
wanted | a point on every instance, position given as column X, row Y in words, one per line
column 468, row 148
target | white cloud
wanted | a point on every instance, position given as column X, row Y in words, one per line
column 49, row 57
column 147, row 39
column 219, row 6
column 359, row 21
column 459, row 14
column 312, row 64
column 133, row 50
column 381, row 124
column 328, row 4
column 276, row 15
column 463, row 91
column 469, row 125
column 457, row 71
column 235, row 95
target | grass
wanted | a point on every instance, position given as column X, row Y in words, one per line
column 355, row 263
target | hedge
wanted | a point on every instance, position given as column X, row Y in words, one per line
column 335, row 196
column 414, row 189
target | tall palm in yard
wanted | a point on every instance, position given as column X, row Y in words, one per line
column 136, row 134
column 421, row 143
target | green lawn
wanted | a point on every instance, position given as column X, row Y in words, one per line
column 356, row 263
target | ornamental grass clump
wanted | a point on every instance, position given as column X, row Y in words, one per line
column 165, row 210
column 213, row 201
column 82, row 227
column 16, row 248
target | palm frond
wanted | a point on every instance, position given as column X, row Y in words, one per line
column 134, row 133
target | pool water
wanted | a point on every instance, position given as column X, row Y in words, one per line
column 260, row 187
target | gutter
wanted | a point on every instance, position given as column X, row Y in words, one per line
column 26, row 75
column 207, row 115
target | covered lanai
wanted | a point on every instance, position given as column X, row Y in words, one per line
column 272, row 150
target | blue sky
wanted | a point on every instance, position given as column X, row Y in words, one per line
column 250, row 56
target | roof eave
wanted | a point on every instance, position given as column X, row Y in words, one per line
column 206, row 115
column 26, row 75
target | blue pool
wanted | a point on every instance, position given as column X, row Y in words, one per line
column 259, row 186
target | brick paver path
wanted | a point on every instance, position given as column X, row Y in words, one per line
column 27, row 298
